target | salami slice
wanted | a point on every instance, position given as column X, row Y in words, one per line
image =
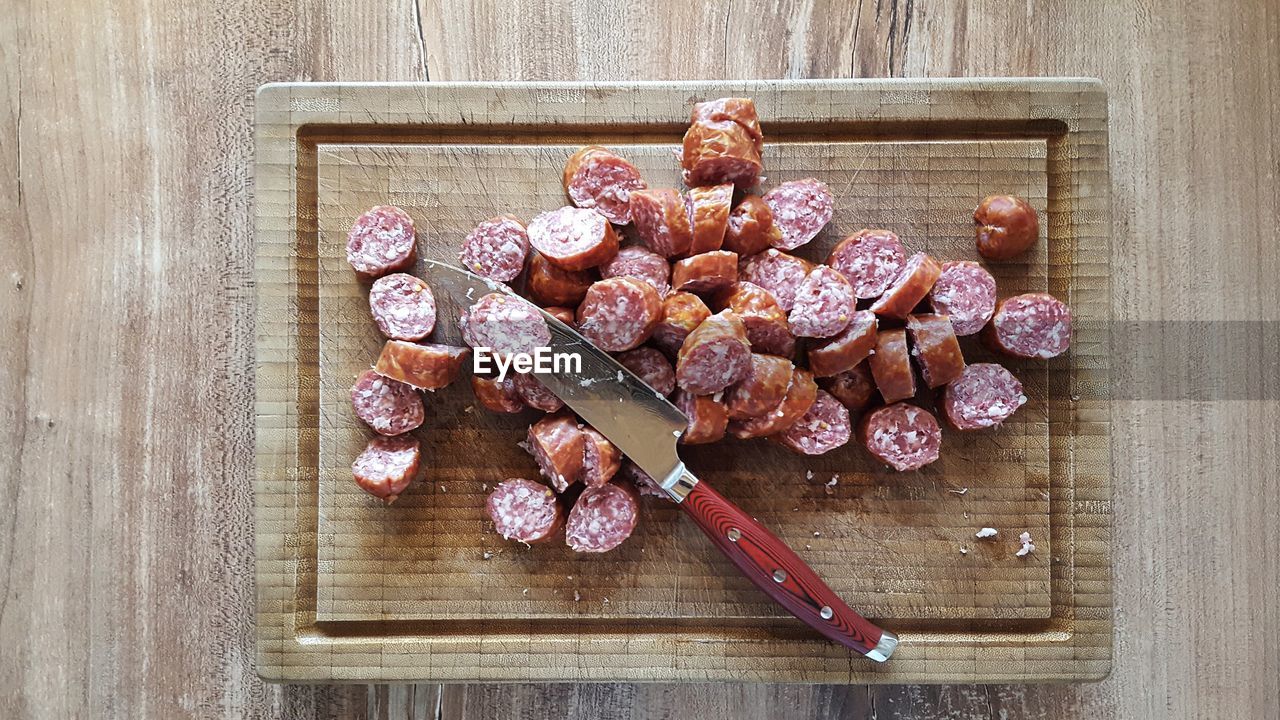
column 902, row 436
column 767, row 328
column 750, row 228
column 850, row 347
column 573, row 238
column 966, row 293
column 762, row 390
column 984, row 396
column 891, row 366
column 870, row 260
column 705, row 273
column 524, row 510
column 855, row 388
column 714, row 356
column 388, row 406
column 382, row 241
column 598, row 179
column 550, row 285
column 823, row 306
column 387, row 466
column 1035, row 325
column 495, row 395
column 708, row 418
column 565, row 315
column 534, row 394
column 425, row 367
column 640, row 263
column 681, row 313
column 496, row 248
column 602, row 518
column 619, row 313
column 556, row 443
column 505, row 324
column 936, row 350
column 643, row 482
column 651, row 366
column 909, row 288
column 777, row 272
column 402, row 306
column 800, row 396
column 600, row 458
column 823, row 428
column 801, row 208
column 1005, row 226
column 662, row 221
column 708, row 216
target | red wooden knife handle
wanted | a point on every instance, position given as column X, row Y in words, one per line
column 780, row 573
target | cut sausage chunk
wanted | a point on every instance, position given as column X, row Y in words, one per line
column 850, row 347
column 777, row 272
column 388, row 406
column 619, row 313
column 524, row 510
column 600, row 458
column 602, row 518
column 550, row 285
column 824, row 304
column 505, row 324
column 598, row 179
column 984, row 396
column 854, row 388
column 708, row 216
column 556, row 444
column 715, row 152
column 651, row 366
column 1005, row 226
column 714, row 356
column 800, row 396
column 402, row 306
column 387, row 466
column 534, row 394
column 563, row 314
column 573, row 238
column 643, row 482
column 662, row 221
column 936, row 349
column 966, row 293
column 902, row 436
column 751, row 228
column 762, row 390
column 705, row 273
column 801, row 208
column 731, row 109
column 1035, row 325
column 909, row 288
column 381, row 241
column 891, row 366
column 640, row 263
column 495, row 395
column 425, row 367
column 870, row 260
column 767, row 328
column 708, row 418
column 496, row 248
column 823, row 428
column 681, row 313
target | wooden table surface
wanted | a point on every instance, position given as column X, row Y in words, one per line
column 126, row 449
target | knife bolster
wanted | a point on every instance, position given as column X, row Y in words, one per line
column 680, row 484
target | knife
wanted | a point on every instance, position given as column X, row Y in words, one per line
column 645, row 426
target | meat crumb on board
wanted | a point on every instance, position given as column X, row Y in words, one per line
column 961, row 491
column 986, row 532
column 487, row 555
column 1027, row 546
column 964, row 551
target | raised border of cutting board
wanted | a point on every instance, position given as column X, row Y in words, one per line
column 1073, row 644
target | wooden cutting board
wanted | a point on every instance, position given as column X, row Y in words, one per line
column 350, row 589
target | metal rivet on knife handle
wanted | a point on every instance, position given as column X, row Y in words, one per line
column 779, row 575
column 826, row 612
column 734, row 534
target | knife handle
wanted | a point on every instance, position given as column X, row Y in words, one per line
column 780, row 573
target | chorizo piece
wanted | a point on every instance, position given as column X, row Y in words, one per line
column 556, row 443
column 870, row 260
column 801, row 208
column 823, row 306
column 777, row 272
column 714, row 356
column 850, row 347
column 1005, row 226
column 381, row 241
column 1035, row 325
column 600, row 458
column 534, row 394
column 966, row 293
column 731, row 109
column 705, row 273
column 800, row 396
column 602, row 518
column 651, row 366
column 550, row 285
column 388, row 406
column 387, row 466
column 681, row 313
column 767, row 328
column 936, row 349
column 425, row 367
column 505, row 324
column 640, row 263
column 760, row 391
column 563, row 314
column 402, row 306
column 708, row 418
column 854, row 388
column 823, row 428
column 495, row 395
column 708, row 216
column 601, row 180
column 662, row 221
column 909, row 288
column 718, row 152
column 985, row 395
column 891, row 366
column 573, row 238
column 619, row 313
column 902, row 436
column 496, row 248
column 524, row 510
column 643, row 482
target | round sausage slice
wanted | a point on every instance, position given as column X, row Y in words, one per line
column 505, row 324
column 662, row 221
column 800, row 395
column 801, row 208
column 777, row 272
column 708, row 418
column 985, row 395
column 556, row 444
column 402, row 306
column 495, row 395
column 534, row 394
column 602, row 518
column 550, row 285
column 599, row 179
column 823, row 428
column 496, row 248
column 619, row 313
column 387, row 466
column 705, row 273
column 714, row 356
column 823, row 306
column 708, row 216
column 854, row 388
column 425, row 367
column 762, row 390
column 651, row 366
column 1005, row 226
column 751, row 228
column 966, row 293
column 600, row 458
column 902, row 436
column 573, row 238
column 640, row 263
column 850, row 347
column 909, row 288
column 936, row 349
column 388, row 406
column 524, row 510
column 381, row 241
column 681, row 313
column 767, row 328
column 870, row 260
column 1035, row 325
column 891, row 366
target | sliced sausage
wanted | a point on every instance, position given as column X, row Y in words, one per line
column 600, row 458
column 505, row 324
column 714, row 356
column 985, row 395
column 524, row 510
column 1005, row 226
column 643, row 482
column 565, row 315
column 602, row 518
column 388, row 406
column 705, row 273
column 651, row 366
column 909, row 288
column 681, row 313
column 496, row 248
column 823, row 306
column 751, row 228
column 767, row 328
column 714, row 152
column 891, row 366
column 708, row 216
column 556, row 444
column 731, row 109
column 854, row 388
column 850, row 347
column 966, row 293
column 601, row 180
column 550, row 285
column 534, row 394
column 640, row 263
column 662, row 221
column 870, row 260
column 1035, row 325
column 800, row 396
column 495, row 395
column 403, row 306
column 382, row 241
column 823, row 428
column 760, row 391
column 936, row 349
column 387, row 466
column 801, row 208
column 902, row 436
column 425, row 367
column 708, row 418
column 573, row 238
column 777, row 272
column 619, row 313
